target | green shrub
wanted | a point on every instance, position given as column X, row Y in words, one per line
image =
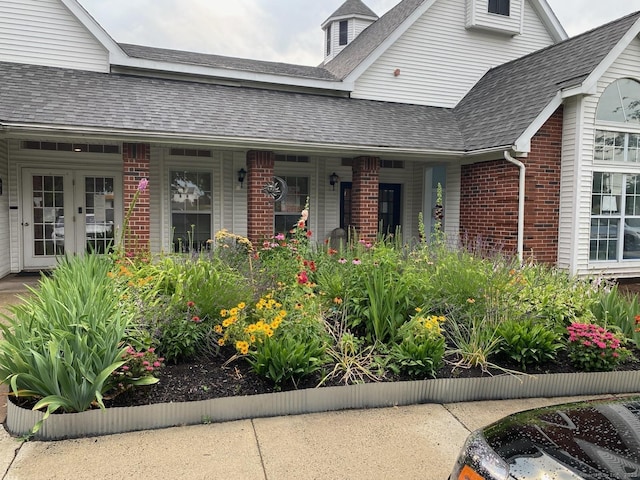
column 528, row 342
column 65, row 341
column 614, row 308
column 421, row 346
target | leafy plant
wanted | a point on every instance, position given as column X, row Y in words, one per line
column 181, row 335
column 614, row 308
column 474, row 342
column 593, row 348
column 528, row 342
column 65, row 341
column 421, row 346
column 353, row 361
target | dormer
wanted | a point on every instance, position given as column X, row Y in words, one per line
column 344, row 25
column 501, row 16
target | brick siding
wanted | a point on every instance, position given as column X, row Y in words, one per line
column 489, row 198
column 364, row 196
column 135, row 158
column 260, row 207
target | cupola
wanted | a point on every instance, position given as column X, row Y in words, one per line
column 344, row 25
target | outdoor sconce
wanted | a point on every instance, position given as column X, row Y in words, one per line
column 333, row 179
column 242, row 173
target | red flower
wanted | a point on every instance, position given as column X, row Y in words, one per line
column 191, row 304
column 312, row 266
column 302, row 278
column 332, row 251
column 300, row 224
column 309, row 233
column 196, row 319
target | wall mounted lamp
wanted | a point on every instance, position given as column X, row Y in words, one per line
column 242, row 173
column 333, row 179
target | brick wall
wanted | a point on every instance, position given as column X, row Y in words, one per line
column 135, row 158
column 364, row 196
column 489, row 198
column 260, row 207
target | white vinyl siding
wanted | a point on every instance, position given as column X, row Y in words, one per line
column 44, row 32
column 440, row 60
column 478, row 16
column 5, row 240
column 625, row 66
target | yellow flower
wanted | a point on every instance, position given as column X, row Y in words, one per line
column 221, row 342
column 217, row 329
column 418, row 309
column 298, row 306
column 471, row 300
column 241, row 305
column 253, row 338
column 233, row 311
column 223, row 313
column 226, row 322
column 282, row 313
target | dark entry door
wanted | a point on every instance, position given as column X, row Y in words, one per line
column 389, row 202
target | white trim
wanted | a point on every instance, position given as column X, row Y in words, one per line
column 577, row 194
column 549, row 20
column 523, row 143
column 218, row 141
column 199, row 70
column 115, row 52
column 590, row 84
column 348, row 17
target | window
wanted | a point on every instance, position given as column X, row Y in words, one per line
column 615, row 201
column 329, row 40
column 344, row 32
column 500, row 7
column 287, row 211
column 191, row 209
column 620, row 102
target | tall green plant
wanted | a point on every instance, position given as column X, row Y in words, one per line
column 64, row 342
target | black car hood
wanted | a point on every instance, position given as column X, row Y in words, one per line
column 594, row 440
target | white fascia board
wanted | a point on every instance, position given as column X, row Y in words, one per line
column 348, row 17
column 578, row 90
column 523, row 143
column 115, row 52
column 22, row 129
column 590, row 84
column 390, row 40
column 212, row 72
column 549, row 19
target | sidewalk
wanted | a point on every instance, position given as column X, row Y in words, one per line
column 420, row 441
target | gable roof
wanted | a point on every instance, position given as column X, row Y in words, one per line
column 352, row 8
column 370, row 43
column 509, row 98
column 50, row 100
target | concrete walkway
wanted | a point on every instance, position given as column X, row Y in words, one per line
column 420, row 441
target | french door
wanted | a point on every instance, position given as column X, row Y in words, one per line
column 68, row 212
column 389, row 206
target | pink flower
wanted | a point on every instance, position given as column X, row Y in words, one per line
column 125, row 367
column 151, row 349
column 342, row 260
column 157, row 364
column 145, row 363
column 142, row 185
column 149, row 369
column 279, row 236
column 356, row 261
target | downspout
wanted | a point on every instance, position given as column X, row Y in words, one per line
column 521, row 198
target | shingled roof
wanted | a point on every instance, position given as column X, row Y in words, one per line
column 52, row 97
column 230, row 63
column 351, row 8
column 502, row 105
column 371, row 38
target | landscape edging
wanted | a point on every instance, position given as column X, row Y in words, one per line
column 20, row 420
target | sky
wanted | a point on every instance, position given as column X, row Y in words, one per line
column 276, row 30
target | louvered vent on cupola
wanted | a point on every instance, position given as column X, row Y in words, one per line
column 344, row 25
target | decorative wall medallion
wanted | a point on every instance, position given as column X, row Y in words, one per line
column 276, row 189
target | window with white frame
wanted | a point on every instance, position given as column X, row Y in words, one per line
column 287, row 210
column 191, row 210
column 615, row 200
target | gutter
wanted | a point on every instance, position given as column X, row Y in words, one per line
column 521, row 198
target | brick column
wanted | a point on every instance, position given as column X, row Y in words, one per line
column 260, row 207
column 364, row 196
column 135, row 160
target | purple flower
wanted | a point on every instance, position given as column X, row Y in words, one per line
column 142, row 185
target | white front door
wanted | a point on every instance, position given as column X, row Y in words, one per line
column 67, row 212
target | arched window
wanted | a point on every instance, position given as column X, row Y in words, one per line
column 620, row 102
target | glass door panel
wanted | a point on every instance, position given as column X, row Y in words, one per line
column 99, row 214
column 48, row 215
